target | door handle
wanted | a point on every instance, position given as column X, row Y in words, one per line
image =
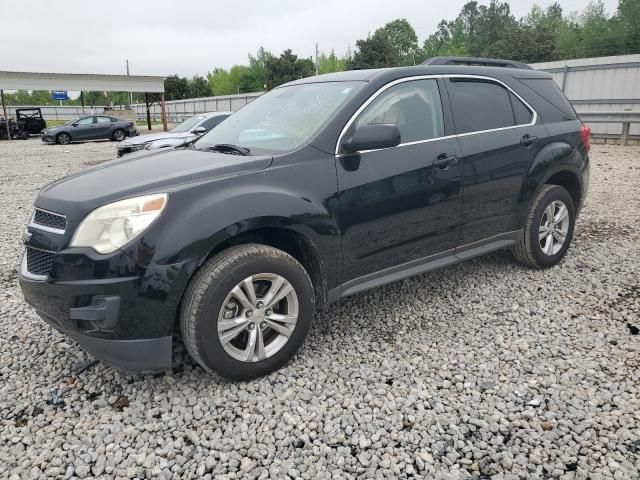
column 528, row 140
column 444, row 161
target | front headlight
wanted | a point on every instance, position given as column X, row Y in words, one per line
column 111, row 226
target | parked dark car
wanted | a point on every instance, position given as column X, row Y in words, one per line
column 31, row 119
column 185, row 132
column 319, row 189
column 90, row 127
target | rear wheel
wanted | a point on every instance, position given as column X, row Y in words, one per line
column 549, row 228
column 119, row 135
column 63, row 138
column 247, row 311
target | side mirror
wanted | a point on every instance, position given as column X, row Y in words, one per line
column 199, row 130
column 372, row 137
column 74, row 124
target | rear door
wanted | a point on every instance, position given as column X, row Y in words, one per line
column 403, row 203
column 103, row 127
column 499, row 137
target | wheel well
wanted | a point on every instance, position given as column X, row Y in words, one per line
column 570, row 182
column 290, row 242
column 64, row 133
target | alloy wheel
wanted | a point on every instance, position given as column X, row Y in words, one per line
column 554, row 227
column 257, row 317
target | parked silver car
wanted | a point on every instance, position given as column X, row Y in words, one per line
column 188, row 130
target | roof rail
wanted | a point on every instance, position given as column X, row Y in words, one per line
column 485, row 62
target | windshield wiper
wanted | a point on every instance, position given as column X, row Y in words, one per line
column 229, row 148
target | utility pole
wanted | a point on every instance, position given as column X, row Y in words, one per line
column 6, row 118
column 317, row 61
column 130, row 93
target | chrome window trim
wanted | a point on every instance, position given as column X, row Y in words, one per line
column 38, row 226
column 382, row 89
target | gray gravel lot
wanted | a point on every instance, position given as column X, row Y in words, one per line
column 483, row 370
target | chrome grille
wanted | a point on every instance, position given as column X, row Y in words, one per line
column 39, row 262
column 49, row 219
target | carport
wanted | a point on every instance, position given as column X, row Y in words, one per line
column 151, row 86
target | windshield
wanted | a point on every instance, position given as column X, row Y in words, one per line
column 283, row 119
column 188, row 124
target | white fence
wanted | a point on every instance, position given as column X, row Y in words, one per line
column 179, row 110
column 597, row 85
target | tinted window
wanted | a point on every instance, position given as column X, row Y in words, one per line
column 103, row 120
column 414, row 106
column 85, row 121
column 479, row 105
column 547, row 89
column 520, row 111
column 212, row 122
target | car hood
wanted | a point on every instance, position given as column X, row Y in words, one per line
column 152, row 137
column 75, row 196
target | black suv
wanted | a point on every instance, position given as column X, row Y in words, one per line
column 319, row 189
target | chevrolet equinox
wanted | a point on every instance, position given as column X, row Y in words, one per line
column 317, row 190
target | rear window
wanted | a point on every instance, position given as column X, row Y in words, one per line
column 548, row 90
column 480, row 105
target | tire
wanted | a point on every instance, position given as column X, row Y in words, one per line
column 118, row 135
column 533, row 249
column 209, row 306
column 63, row 139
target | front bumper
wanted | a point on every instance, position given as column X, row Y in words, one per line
column 48, row 138
column 125, row 320
column 126, row 149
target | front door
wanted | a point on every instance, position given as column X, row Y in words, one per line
column 403, row 203
column 83, row 129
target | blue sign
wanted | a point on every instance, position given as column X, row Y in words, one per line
column 60, row 95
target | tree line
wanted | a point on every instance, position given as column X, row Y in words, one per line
column 478, row 31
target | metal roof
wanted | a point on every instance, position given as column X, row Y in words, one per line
column 80, row 81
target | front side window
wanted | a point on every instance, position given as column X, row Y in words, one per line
column 85, row 121
column 283, row 119
column 188, row 124
column 414, row 107
column 480, row 105
column 209, row 123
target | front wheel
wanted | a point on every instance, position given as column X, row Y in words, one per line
column 549, row 228
column 63, row 139
column 247, row 311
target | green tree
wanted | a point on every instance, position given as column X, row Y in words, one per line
column 403, row 41
column 628, row 16
column 287, row 67
column 198, row 87
column 450, row 39
column 176, row 88
column 331, row 63
column 376, row 51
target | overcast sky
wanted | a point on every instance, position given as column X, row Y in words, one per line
column 162, row 37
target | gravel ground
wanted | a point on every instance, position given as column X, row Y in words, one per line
column 482, row 370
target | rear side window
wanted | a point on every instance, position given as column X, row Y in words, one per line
column 480, row 105
column 103, row 120
column 549, row 90
column 521, row 113
column 414, row 106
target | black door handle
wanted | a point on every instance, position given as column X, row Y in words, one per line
column 444, row 161
column 528, row 140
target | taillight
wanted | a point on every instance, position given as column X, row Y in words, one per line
column 585, row 133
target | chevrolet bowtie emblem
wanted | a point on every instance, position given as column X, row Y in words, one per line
column 26, row 236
